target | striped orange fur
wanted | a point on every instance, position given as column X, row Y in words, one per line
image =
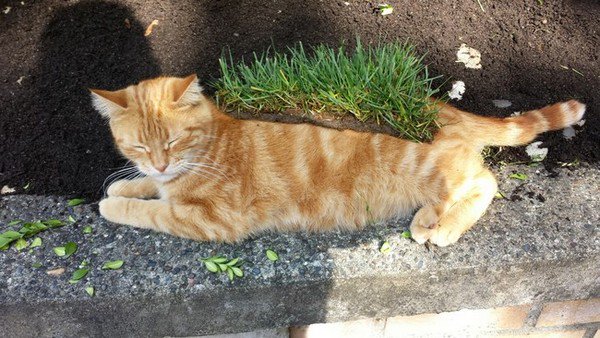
column 211, row 177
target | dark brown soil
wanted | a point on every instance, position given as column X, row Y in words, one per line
column 52, row 140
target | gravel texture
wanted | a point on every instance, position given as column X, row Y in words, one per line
column 540, row 242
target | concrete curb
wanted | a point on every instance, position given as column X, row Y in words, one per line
column 540, row 243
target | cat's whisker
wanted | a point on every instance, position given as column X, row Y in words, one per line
column 204, row 157
column 199, row 166
column 208, row 166
column 120, row 174
column 201, row 173
column 128, row 181
column 116, row 175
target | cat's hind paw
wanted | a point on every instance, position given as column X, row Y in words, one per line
column 424, row 224
column 444, row 236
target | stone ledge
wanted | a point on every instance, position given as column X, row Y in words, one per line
column 541, row 246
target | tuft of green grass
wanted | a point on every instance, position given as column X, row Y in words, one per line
column 383, row 82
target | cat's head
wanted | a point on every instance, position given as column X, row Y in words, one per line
column 160, row 124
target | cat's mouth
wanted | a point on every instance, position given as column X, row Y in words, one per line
column 164, row 177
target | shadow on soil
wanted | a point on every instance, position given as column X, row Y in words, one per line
column 61, row 145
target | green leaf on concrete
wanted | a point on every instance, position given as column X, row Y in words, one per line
column 21, row 244
column 30, row 229
column 15, row 222
column 78, row 275
column 11, row 234
column 75, row 201
column 230, row 274
column 90, row 291
column 385, row 248
column 112, row 265
column 59, row 251
column 218, row 259
column 406, row 234
column 499, row 195
column 211, row 266
column 8, row 237
column 518, row 176
column 237, row 271
column 36, row 242
column 71, row 219
column 88, row 229
column 70, row 249
column 233, row 262
column 53, row 223
column 36, row 265
column 272, row 255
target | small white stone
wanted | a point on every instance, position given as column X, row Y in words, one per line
column 6, row 190
column 502, row 103
column 458, row 89
column 569, row 133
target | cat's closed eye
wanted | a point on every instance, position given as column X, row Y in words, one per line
column 142, row 148
column 171, row 143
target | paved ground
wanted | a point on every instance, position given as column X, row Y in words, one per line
column 540, row 243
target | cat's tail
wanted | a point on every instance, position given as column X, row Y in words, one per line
column 512, row 131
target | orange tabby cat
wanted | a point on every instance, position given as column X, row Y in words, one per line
column 211, row 177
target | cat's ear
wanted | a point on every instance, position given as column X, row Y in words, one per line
column 187, row 91
column 108, row 103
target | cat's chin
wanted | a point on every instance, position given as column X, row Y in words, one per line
column 164, row 177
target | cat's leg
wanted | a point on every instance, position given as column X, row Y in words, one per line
column 143, row 187
column 455, row 217
column 195, row 222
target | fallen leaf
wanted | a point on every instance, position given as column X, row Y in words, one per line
column 385, row 9
column 75, row 202
column 127, row 23
column 20, row 80
column 90, row 291
column 150, row 27
column 6, row 190
column 56, row 272
column 469, row 56
column 536, row 153
column 458, row 89
column 272, row 255
column 7, row 10
column 385, row 248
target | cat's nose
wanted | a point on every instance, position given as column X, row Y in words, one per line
column 161, row 167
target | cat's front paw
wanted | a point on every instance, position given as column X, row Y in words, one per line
column 118, row 188
column 110, row 208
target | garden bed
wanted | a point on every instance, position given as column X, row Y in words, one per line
column 53, row 142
